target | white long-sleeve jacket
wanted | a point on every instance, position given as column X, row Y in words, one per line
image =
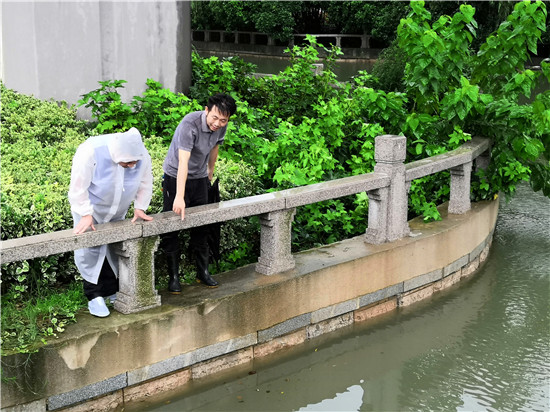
column 102, row 188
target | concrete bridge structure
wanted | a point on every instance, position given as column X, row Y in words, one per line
column 157, row 341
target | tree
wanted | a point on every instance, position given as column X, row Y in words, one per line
column 457, row 91
column 276, row 19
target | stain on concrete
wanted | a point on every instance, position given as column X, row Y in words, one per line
column 76, row 355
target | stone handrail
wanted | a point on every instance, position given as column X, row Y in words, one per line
column 386, row 187
column 251, row 36
column 62, row 241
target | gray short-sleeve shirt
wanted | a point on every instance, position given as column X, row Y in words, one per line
column 193, row 135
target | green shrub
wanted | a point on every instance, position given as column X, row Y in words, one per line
column 36, row 171
column 293, row 92
column 389, row 69
column 156, row 113
column 26, row 117
column 213, row 75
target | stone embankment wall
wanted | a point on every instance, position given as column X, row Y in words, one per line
column 100, row 364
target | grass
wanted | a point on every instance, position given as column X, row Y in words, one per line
column 27, row 322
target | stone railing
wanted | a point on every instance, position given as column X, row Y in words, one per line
column 254, row 38
column 386, row 187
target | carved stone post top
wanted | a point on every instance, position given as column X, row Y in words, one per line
column 390, row 148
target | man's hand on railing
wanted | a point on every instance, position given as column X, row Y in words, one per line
column 179, row 207
column 84, row 223
column 140, row 214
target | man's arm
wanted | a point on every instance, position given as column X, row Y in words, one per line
column 183, row 167
column 212, row 161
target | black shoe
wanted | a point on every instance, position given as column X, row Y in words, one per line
column 203, row 276
column 173, row 261
column 174, row 286
column 207, row 280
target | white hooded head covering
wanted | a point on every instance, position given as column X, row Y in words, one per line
column 127, row 146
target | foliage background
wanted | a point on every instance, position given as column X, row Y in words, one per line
column 379, row 19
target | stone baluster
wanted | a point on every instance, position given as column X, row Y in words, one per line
column 136, row 275
column 388, row 205
column 365, row 41
column 275, row 242
column 459, row 201
column 318, row 68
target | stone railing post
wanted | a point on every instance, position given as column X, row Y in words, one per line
column 459, row 201
column 318, row 68
column 388, row 205
column 136, row 275
column 365, row 41
column 275, row 242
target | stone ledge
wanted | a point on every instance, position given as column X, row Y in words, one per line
column 376, row 309
column 162, row 384
column 380, row 295
column 100, row 388
column 335, row 310
column 329, row 325
column 283, row 328
column 422, row 280
column 456, row 265
column 280, row 342
column 105, row 403
column 222, row 363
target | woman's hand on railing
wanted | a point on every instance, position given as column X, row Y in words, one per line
column 140, row 214
column 84, row 223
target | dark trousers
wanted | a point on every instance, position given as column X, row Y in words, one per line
column 107, row 284
column 196, row 194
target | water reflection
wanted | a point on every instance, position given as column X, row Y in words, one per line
column 484, row 345
column 350, row 400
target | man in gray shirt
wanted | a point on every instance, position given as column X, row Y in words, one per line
column 188, row 170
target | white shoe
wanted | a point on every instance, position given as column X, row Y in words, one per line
column 111, row 298
column 97, row 307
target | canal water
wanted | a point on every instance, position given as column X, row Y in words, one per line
column 344, row 69
column 482, row 345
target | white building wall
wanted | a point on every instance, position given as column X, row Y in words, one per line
column 61, row 49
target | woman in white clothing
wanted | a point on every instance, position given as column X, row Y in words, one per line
column 109, row 172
